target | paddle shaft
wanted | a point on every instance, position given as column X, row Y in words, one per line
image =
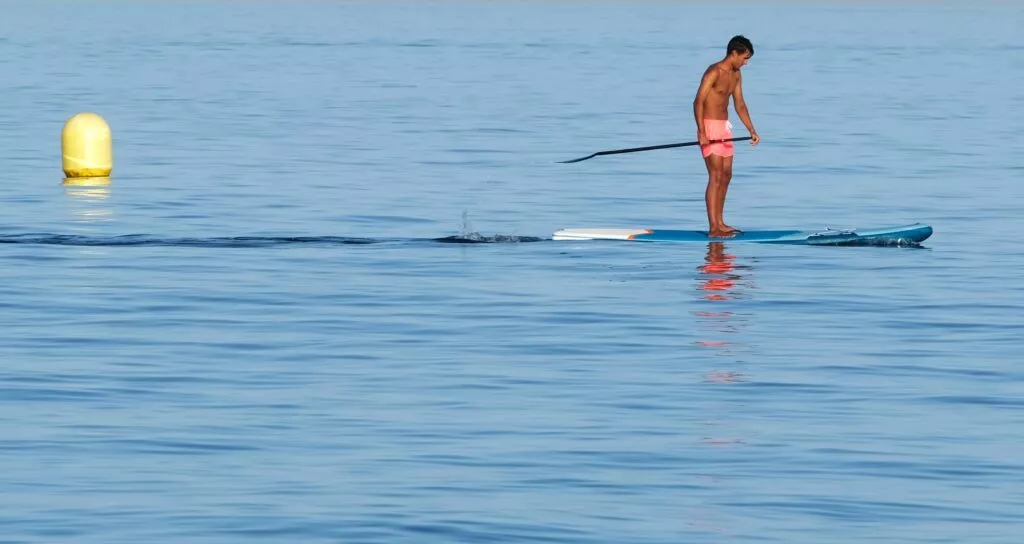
column 652, row 148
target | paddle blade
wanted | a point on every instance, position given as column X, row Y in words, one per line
column 581, row 159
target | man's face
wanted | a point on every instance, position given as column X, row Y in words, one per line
column 740, row 60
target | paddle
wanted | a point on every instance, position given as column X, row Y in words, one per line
column 651, row 148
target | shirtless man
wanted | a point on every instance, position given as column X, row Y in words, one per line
column 711, row 111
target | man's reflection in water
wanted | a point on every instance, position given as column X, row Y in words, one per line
column 721, row 281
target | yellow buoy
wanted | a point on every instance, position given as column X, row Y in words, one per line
column 87, row 150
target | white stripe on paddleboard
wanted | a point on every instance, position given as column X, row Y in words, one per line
column 597, row 234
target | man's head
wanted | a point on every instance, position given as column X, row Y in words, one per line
column 739, row 50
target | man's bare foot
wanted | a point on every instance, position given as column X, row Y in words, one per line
column 733, row 230
column 722, row 233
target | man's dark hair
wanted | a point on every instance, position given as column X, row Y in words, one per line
column 740, row 44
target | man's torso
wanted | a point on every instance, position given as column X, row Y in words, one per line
column 716, row 104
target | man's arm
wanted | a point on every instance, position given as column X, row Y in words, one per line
column 741, row 109
column 706, row 83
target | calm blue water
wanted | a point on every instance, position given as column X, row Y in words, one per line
column 164, row 380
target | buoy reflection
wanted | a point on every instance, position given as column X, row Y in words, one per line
column 88, row 203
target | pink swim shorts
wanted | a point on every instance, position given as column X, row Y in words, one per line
column 718, row 129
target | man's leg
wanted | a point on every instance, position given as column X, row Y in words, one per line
column 714, row 193
column 724, row 188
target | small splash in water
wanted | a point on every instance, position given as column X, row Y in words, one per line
column 468, row 236
column 467, row 226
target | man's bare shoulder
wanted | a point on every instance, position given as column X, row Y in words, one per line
column 711, row 71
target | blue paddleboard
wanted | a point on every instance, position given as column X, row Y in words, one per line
column 906, row 235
